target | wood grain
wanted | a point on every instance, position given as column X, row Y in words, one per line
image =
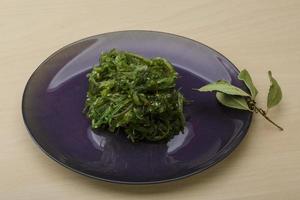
column 254, row 34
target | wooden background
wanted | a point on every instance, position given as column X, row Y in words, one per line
column 254, row 34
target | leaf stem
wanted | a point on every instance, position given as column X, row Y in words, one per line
column 264, row 114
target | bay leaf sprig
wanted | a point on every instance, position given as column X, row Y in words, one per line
column 234, row 97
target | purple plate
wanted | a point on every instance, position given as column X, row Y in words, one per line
column 54, row 98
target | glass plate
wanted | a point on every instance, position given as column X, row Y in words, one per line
column 54, row 98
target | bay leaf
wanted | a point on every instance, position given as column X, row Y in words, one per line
column 275, row 93
column 246, row 78
column 224, row 87
column 237, row 102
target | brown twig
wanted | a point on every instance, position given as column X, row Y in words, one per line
column 264, row 114
column 254, row 108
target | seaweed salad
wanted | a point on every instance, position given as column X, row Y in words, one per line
column 136, row 95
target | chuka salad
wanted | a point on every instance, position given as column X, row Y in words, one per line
column 136, row 95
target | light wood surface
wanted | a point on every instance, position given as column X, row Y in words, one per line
column 257, row 35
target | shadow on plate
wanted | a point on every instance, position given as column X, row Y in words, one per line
column 199, row 180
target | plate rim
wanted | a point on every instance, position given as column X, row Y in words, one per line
column 234, row 144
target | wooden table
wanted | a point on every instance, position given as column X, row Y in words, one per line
column 257, row 35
